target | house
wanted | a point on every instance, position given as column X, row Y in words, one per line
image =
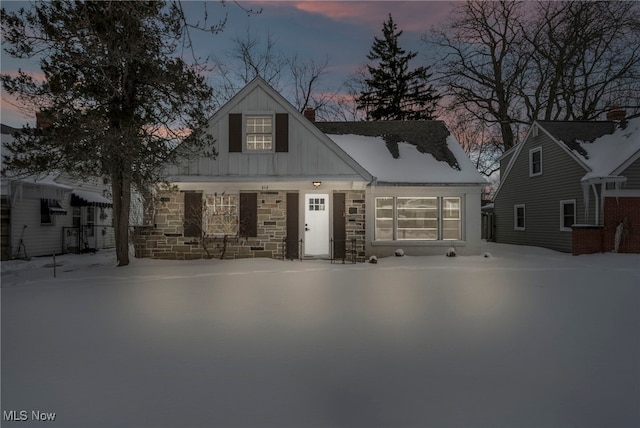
column 52, row 213
column 285, row 186
column 567, row 180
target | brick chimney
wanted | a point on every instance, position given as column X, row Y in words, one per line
column 616, row 113
column 43, row 120
column 310, row 114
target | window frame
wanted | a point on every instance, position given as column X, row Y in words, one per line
column 395, row 219
column 564, row 203
column 515, row 217
column 532, row 152
column 231, row 211
column 251, row 116
column 459, row 218
column 45, row 213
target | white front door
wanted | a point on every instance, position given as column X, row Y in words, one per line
column 316, row 227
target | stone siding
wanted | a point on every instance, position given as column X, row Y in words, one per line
column 356, row 222
column 166, row 240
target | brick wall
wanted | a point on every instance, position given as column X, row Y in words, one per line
column 617, row 209
column 587, row 239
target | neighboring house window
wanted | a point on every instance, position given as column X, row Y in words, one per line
column 45, row 214
column 91, row 221
column 518, row 217
column 567, row 215
column 76, row 217
column 222, row 215
column 418, row 218
column 49, row 208
column 535, row 162
column 259, row 133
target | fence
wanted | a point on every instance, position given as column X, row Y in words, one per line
column 85, row 239
column 341, row 251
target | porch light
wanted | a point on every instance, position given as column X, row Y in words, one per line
column 317, row 184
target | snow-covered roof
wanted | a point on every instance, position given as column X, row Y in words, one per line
column 606, row 154
column 601, row 146
column 405, row 152
column 45, row 180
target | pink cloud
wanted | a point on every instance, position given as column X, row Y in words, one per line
column 417, row 16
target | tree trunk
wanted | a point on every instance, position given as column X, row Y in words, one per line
column 121, row 190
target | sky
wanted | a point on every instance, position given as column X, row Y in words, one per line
column 341, row 31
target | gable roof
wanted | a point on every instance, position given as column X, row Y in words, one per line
column 602, row 148
column 405, row 152
column 259, row 82
column 572, row 133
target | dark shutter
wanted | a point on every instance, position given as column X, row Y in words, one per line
column 282, row 132
column 292, row 226
column 249, row 214
column 339, row 227
column 192, row 214
column 235, row 133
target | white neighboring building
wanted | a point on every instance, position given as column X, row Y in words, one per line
column 53, row 214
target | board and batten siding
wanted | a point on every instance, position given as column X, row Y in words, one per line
column 305, row 155
column 541, row 195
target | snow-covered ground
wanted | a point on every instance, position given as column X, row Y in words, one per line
column 524, row 338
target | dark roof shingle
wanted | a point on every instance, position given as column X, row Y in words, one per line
column 429, row 136
column 572, row 133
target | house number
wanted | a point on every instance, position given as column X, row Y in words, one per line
column 265, row 187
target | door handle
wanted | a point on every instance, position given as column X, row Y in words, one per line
column 306, row 229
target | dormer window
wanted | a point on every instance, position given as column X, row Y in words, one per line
column 259, row 132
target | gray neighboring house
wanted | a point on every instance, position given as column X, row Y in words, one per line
column 561, row 175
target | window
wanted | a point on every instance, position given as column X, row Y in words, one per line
column 259, row 132
column 222, row 214
column 49, row 208
column 567, row 215
column 451, row 219
column 45, row 214
column 418, row 218
column 316, row 204
column 91, row 221
column 76, row 217
column 535, row 162
column 518, row 217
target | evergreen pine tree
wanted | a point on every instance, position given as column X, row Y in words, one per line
column 393, row 91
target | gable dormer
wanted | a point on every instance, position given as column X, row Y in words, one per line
column 259, row 135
